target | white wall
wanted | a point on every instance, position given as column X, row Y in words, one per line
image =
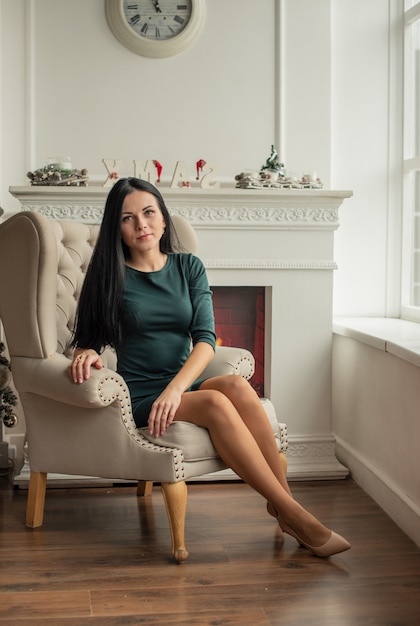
column 306, row 87
column 375, row 399
column 366, row 143
column 68, row 87
column 13, row 126
column 94, row 99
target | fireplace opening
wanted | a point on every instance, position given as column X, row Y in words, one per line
column 239, row 314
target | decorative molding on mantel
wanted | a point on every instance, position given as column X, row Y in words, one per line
column 267, row 264
column 262, row 217
column 88, row 214
column 310, row 209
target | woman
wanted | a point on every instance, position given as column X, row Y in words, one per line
column 150, row 303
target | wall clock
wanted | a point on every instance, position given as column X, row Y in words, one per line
column 156, row 28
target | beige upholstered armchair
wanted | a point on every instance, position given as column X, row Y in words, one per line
column 88, row 429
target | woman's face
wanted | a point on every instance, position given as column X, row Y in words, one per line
column 142, row 223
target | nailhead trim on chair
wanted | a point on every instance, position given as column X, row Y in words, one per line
column 283, row 439
column 123, row 397
column 247, row 375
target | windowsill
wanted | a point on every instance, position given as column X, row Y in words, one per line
column 398, row 337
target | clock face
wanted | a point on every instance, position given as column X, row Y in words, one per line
column 157, row 19
column 156, row 28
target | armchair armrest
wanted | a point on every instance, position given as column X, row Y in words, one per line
column 50, row 378
column 229, row 360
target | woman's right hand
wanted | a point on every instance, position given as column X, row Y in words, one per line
column 83, row 360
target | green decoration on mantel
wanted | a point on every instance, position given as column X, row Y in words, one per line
column 273, row 164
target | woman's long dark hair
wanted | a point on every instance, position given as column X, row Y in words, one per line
column 99, row 308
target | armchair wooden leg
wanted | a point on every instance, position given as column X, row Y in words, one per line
column 144, row 488
column 175, row 496
column 36, row 499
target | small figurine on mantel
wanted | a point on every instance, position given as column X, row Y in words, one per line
column 273, row 169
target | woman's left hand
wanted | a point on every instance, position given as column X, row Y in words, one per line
column 163, row 411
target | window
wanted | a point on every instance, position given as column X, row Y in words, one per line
column 410, row 308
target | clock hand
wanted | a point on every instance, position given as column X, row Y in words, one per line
column 157, row 7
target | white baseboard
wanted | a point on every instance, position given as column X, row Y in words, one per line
column 390, row 496
column 308, row 458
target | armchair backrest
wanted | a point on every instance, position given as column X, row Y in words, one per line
column 42, row 268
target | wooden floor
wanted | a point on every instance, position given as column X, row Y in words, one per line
column 102, row 557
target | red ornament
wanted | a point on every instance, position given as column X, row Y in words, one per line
column 199, row 167
column 159, row 168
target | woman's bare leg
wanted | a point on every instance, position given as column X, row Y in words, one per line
column 237, row 447
column 252, row 413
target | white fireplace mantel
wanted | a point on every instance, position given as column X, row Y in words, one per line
column 239, row 208
column 282, row 240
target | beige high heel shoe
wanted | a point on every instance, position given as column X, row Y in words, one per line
column 334, row 545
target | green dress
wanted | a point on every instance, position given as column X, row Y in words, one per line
column 163, row 313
